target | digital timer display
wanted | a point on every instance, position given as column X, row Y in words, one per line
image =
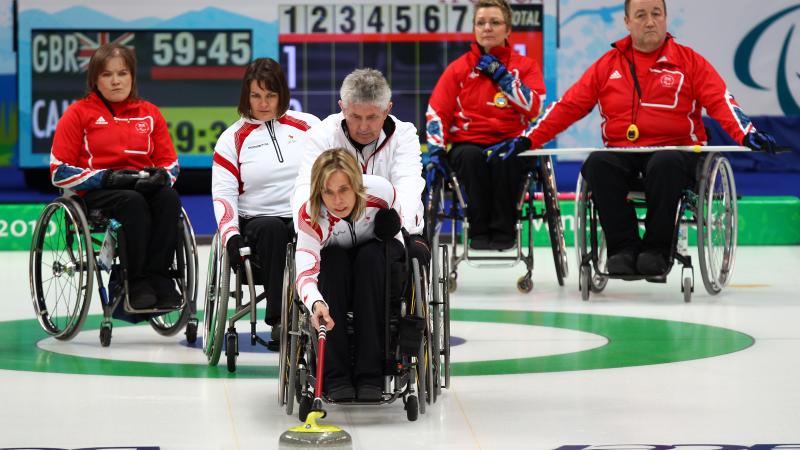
column 193, row 76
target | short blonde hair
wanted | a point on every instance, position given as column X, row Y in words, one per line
column 328, row 163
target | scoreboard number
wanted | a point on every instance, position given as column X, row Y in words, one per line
column 375, row 19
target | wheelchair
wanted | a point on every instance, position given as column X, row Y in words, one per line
column 416, row 376
column 444, row 200
column 64, row 264
column 218, row 293
column 709, row 206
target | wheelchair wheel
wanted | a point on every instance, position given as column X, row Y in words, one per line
column 555, row 227
column 584, row 279
column 583, row 239
column 61, row 268
column 231, row 348
column 291, row 390
column 440, row 315
column 288, row 338
column 184, row 271
column 716, row 223
column 105, row 335
column 412, row 408
column 216, row 303
column 445, row 288
column 686, row 288
column 425, row 356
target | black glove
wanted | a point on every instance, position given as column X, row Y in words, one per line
column 120, row 179
column 158, row 178
column 233, row 245
column 387, row 223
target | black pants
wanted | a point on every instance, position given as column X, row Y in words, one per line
column 492, row 188
column 150, row 224
column 268, row 237
column 353, row 280
column 611, row 175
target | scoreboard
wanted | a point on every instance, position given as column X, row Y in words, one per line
column 193, row 76
column 191, row 59
column 191, row 56
column 411, row 44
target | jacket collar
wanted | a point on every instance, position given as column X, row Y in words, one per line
column 503, row 53
column 387, row 131
column 114, row 108
column 668, row 49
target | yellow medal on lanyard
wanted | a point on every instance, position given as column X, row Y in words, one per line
column 633, row 133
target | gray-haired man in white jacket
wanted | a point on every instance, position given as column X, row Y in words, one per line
column 382, row 144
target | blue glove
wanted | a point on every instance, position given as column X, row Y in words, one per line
column 760, row 142
column 491, row 67
column 436, row 166
column 507, row 148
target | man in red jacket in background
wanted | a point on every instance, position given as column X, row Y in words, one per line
column 650, row 91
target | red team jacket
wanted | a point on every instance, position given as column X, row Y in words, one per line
column 89, row 139
column 675, row 89
column 472, row 108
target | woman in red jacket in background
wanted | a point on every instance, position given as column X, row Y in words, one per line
column 113, row 148
column 487, row 95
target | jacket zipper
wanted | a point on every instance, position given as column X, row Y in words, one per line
column 277, row 146
column 352, row 232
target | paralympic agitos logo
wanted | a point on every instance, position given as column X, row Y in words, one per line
column 744, row 53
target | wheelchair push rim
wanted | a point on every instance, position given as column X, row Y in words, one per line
column 583, row 240
column 717, row 223
column 553, row 212
column 216, row 301
column 288, row 338
column 61, row 269
column 183, row 270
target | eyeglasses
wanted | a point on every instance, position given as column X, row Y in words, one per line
column 491, row 23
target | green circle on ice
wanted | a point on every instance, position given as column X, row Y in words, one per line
column 631, row 341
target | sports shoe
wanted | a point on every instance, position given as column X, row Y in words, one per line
column 369, row 393
column 274, row 342
column 142, row 295
column 651, row 262
column 623, row 262
column 480, row 242
column 503, row 242
column 341, row 392
column 168, row 296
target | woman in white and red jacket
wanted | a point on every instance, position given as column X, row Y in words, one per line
column 255, row 165
column 341, row 266
column 486, row 96
column 113, row 149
